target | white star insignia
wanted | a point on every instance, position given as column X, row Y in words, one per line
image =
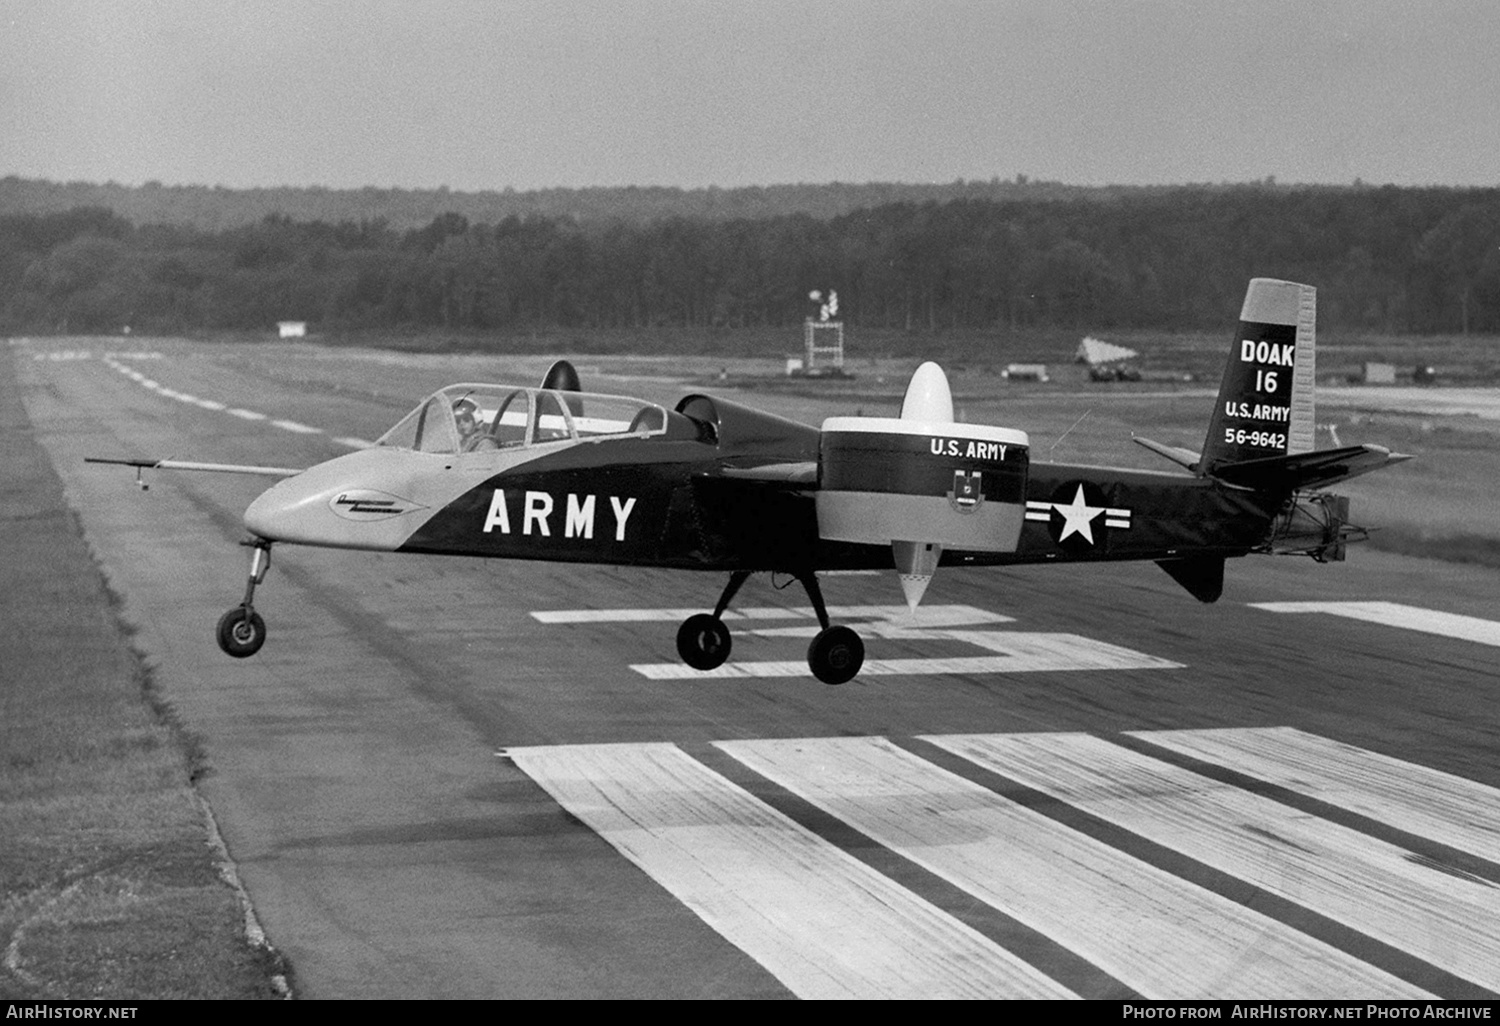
column 1078, row 517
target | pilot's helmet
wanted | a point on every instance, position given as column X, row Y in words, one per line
column 466, row 408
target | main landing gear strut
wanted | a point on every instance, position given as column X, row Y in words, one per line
column 241, row 630
column 834, row 656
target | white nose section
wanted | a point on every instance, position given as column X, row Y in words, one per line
column 928, row 396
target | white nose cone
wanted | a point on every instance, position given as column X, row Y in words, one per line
column 928, row 396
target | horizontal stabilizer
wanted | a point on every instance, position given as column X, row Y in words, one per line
column 1307, row 469
column 215, row 468
column 1182, row 457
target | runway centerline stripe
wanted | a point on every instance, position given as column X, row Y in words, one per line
column 210, row 404
column 292, row 425
column 1395, row 614
column 1459, row 813
column 1377, row 888
column 824, row 923
column 1163, row 936
column 1020, row 652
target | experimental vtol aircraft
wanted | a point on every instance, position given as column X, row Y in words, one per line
column 554, row 473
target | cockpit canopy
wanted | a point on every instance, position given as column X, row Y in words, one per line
column 473, row 418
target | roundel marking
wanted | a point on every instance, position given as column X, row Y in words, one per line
column 1078, row 516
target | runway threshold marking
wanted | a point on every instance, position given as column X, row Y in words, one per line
column 1429, row 803
column 824, row 923
column 779, row 893
column 1395, row 614
column 1367, row 884
column 1074, row 889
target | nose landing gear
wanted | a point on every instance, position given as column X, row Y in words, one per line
column 241, row 631
column 835, row 655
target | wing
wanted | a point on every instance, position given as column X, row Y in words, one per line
column 802, row 474
column 217, row 468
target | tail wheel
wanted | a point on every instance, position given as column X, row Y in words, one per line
column 835, row 655
column 703, row 641
column 241, row 632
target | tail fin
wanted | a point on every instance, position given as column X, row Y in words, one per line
column 1261, row 434
column 1265, row 406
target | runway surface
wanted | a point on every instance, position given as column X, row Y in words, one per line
column 459, row 778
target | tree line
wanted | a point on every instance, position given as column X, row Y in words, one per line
column 1385, row 260
column 216, row 207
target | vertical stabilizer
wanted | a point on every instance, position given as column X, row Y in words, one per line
column 1266, row 404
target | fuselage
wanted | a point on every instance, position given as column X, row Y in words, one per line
column 714, row 500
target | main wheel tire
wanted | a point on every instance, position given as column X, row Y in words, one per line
column 835, row 655
column 241, row 632
column 703, row 641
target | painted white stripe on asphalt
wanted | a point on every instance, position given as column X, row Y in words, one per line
column 1044, row 651
column 1162, row 936
column 825, row 924
column 1449, row 920
column 1023, row 652
column 209, row 404
column 619, row 615
column 354, row 443
column 1445, row 808
column 1394, row 614
column 292, row 425
column 926, row 616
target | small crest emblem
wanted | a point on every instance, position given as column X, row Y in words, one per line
column 368, row 504
column 967, row 495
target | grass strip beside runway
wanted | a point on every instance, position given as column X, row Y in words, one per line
column 108, row 886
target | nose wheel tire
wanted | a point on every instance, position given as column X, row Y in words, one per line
column 703, row 641
column 835, row 655
column 241, row 632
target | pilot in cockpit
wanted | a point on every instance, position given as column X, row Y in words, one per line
column 471, row 434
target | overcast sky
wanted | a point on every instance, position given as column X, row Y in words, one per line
column 485, row 94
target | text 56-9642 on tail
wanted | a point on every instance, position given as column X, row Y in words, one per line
column 551, row 472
